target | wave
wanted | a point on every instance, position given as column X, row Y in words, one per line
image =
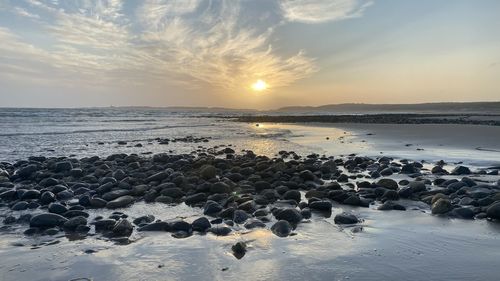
column 106, row 130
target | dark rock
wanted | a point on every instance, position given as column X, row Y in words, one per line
column 441, row 206
column 461, row 170
column 120, row 202
column 462, row 213
column 47, row 220
column 281, row 228
column 306, row 213
column 19, row 206
column 388, row 183
column 494, row 211
column 123, row 228
column 155, row 226
column 195, row 198
column 292, row 195
column 212, row 207
column 254, row 223
column 63, row 166
column 239, row 249
column 57, row 208
column 112, row 195
column 290, row 215
column 201, row 224
column 321, row 205
column 180, row 225
column 144, row 219
column 240, row 216
column 74, row 222
column 47, row 197
column 30, row 194
column 208, row 172
column 220, row 230
column 97, row 202
column 345, row 218
column 220, row 187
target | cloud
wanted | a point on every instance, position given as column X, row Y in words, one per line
column 193, row 43
column 317, row 11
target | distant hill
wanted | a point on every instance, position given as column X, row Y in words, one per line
column 442, row 107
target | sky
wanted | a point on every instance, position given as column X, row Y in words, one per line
column 260, row 54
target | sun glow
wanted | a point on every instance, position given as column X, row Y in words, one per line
column 259, row 86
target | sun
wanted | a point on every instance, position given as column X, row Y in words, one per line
column 259, row 85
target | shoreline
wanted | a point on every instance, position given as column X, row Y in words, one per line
column 396, row 118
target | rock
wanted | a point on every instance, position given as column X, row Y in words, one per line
column 104, row 225
column 220, row 187
column 195, row 198
column 290, row 215
column 63, row 166
column 306, row 213
column 281, row 228
column 201, row 224
column 220, row 230
column 120, row 202
column 19, row 206
column 254, row 223
column 164, row 199
column 292, row 195
column 212, row 207
column 307, row 175
column 47, row 197
column 461, row 170
column 97, row 202
column 240, row 216
column 47, row 220
column 441, row 206
column 74, row 222
column 417, row 186
column 438, row 170
column 239, row 249
column 30, row 194
column 57, row 208
column 409, row 169
column 112, row 195
column 208, row 172
column 321, row 205
column 27, row 171
column 345, row 218
column 158, row 177
column 181, row 225
column 123, row 228
column 388, row 183
column 462, row 213
column 144, row 220
column 494, row 211
column 389, row 205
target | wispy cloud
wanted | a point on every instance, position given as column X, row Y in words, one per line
column 316, row 11
column 183, row 41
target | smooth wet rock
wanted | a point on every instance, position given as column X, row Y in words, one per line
column 461, row 170
column 74, row 222
column 254, row 223
column 201, row 224
column 112, row 195
column 155, row 226
column 441, row 206
column 57, row 208
column 388, row 183
column 195, row 198
column 240, row 216
column 282, row 228
column 30, row 194
column 63, row 166
column 292, row 195
column 325, row 206
column 19, row 206
column 212, row 207
column 493, row 211
column 120, row 202
column 47, row 197
column 239, row 249
column 290, row 215
column 144, row 219
column 123, row 228
column 47, row 220
column 208, row 172
column 220, row 230
column 345, row 218
column 462, row 213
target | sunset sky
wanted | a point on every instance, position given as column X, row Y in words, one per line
column 247, row 54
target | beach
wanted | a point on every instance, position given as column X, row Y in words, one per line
column 213, row 198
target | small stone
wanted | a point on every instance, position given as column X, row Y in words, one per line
column 282, row 228
column 345, row 218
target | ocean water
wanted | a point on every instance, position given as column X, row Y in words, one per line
column 97, row 131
